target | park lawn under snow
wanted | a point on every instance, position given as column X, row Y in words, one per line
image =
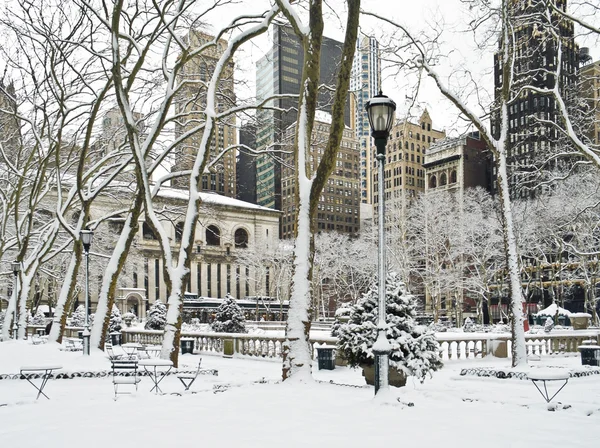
column 449, row 410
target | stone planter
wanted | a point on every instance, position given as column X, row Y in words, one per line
column 227, row 348
column 396, row 377
column 340, row 361
column 580, row 322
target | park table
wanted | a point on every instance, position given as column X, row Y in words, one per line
column 29, row 371
column 155, row 370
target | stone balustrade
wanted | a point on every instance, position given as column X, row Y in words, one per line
column 453, row 346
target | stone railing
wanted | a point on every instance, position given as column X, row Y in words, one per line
column 70, row 332
column 453, row 346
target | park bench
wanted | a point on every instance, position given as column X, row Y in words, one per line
column 124, row 372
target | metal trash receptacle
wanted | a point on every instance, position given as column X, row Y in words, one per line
column 326, row 358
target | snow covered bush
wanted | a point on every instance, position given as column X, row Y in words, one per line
column 78, row 317
column 128, row 318
column 548, row 325
column 229, row 317
column 116, row 322
column 157, row 316
column 414, row 349
column 39, row 318
column 342, row 315
column 468, row 326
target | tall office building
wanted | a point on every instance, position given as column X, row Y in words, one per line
column 190, row 104
column 339, row 205
column 590, row 91
column 10, row 126
column 246, row 164
column 404, row 174
column 364, row 84
column 280, row 72
column 530, row 129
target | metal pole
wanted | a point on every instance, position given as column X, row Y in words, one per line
column 15, row 321
column 382, row 346
column 86, row 330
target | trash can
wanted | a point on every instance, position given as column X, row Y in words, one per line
column 325, row 358
column 187, row 346
column 590, row 355
column 80, row 334
column 115, row 338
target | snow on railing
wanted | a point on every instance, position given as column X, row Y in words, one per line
column 453, row 346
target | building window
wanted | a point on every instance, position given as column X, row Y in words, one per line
column 213, row 236
column 199, row 279
column 208, row 280
column 178, row 231
column 268, row 282
column 218, row 279
column 443, row 179
column 453, row 177
column 241, row 239
column 432, row 182
column 247, row 281
column 156, row 279
column 237, row 281
column 147, row 232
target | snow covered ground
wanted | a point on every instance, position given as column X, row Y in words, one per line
column 449, row 410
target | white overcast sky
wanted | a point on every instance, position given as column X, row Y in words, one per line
column 460, row 51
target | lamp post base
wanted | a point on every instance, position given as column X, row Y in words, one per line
column 86, row 341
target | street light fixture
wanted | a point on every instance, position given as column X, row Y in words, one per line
column 16, row 268
column 381, row 111
column 86, row 239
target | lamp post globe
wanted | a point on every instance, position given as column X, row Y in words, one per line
column 381, row 112
column 16, row 268
column 86, row 239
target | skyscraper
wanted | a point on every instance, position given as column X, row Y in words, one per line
column 280, row 72
column 531, row 114
column 190, row 104
column 404, row 174
column 364, row 84
column 339, row 205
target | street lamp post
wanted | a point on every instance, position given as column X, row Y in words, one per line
column 86, row 240
column 381, row 111
column 16, row 268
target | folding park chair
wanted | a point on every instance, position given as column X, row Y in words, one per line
column 108, row 348
column 187, row 379
column 124, row 371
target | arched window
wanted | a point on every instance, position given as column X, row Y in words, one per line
column 241, row 238
column 405, row 145
column 443, row 179
column 432, row 182
column 178, row 231
column 147, row 232
column 213, row 236
column 412, row 146
column 453, row 177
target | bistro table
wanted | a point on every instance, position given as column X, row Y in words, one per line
column 153, row 369
column 545, row 375
column 131, row 348
column 30, row 371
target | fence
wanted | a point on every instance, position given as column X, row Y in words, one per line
column 453, row 346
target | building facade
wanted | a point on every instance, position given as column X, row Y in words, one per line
column 531, row 134
column 339, row 205
column 246, row 164
column 364, row 84
column 590, row 90
column 455, row 164
column 405, row 155
column 190, row 104
column 280, row 72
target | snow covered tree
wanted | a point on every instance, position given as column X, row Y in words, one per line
column 39, row 318
column 157, row 316
column 78, row 317
column 229, row 317
column 548, row 325
column 116, row 322
column 414, row 349
column 468, row 326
